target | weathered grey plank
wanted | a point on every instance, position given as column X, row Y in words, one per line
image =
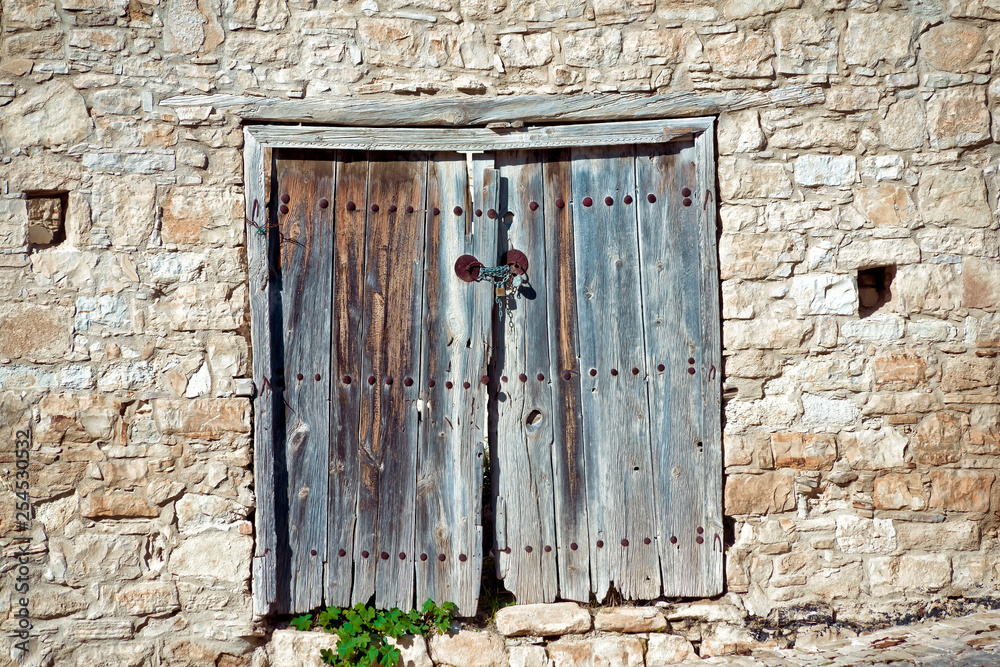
column 345, row 372
column 306, row 253
column 266, row 543
column 479, row 139
column 456, row 111
column 568, row 452
column 615, row 409
column 522, row 448
column 455, row 350
column 390, row 356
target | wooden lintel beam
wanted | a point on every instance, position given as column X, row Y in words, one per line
column 471, row 111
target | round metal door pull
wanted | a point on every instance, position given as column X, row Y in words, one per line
column 467, row 268
column 517, row 261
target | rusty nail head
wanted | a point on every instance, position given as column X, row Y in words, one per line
column 283, row 208
column 492, row 213
column 690, row 360
column 392, row 208
column 567, row 375
column 560, row 203
column 528, row 549
column 457, row 210
column 700, row 530
column 627, row 199
column 522, row 377
column 346, row 379
column 364, row 554
column 624, row 543
column 609, row 201
column 351, row 206
column 540, row 377
column 466, row 385
column 463, row 557
column 600, row 544
column 506, row 550
column 547, row 548
column 485, row 379
column 690, row 371
column 651, row 198
column 402, row 556
column 388, row 380
column 285, row 198
column 479, row 212
column 437, row 211
column 503, row 378
column 614, row 371
column 593, row 372
column 371, row 379
column 409, row 209
column 323, row 203
column 635, row 371
column 408, row 382
column 646, row 540
column 317, row 377
column 441, row 557
column 573, row 546
column 342, row 553
column 661, row 367
column 423, row 557
column 298, row 376
column 384, row 556
column 673, row 539
column 533, row 206
column 448, row 384
column 699, row 539
column 587, row 201
column 374, row 208
column 687, row 201
column 312, row 552
column 685, row 192
column 430, row 383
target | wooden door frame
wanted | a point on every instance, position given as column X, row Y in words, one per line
column 364, row 128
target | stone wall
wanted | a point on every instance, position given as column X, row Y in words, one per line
column 860, row 451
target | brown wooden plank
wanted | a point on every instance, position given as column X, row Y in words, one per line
column 306, row 252
column 568, row 452
column 266, row 544
column 456, row 348
column 521, row 450
column 458, row 111
column 345, row 371
column 390, row 356
column 615, row 409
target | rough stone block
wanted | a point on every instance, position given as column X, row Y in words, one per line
column 629, row 619
column 952, row 46
column 202, row 418
column 35, row 332
column 822, row 411
column 899, row 369
column 117, row 506
column 880, row 37
column 413, row 651
column 852, row 98
column 874, row 328
column 957, row 535
column 927, row 288
column 195, row 512
column 223, row 555
column 132, row 654
column 758, row 255
column 77, row 418
column 825, row 294
column 768, row 335
column 805, row 44
column 50, row 115
column 13, row 224
column 938, row 439
column 543, row 619
column 980, row 282
column 961, row 490
column 469, row 649
column 619, row 651
column 873, row 449
column 958, row 117
column 859, row 535
column 200, row 306
column 816, row 133
column 593, row 48
column 950, row 198
column 739, row 132
column 812, row 170
column 126, row 207
column 809, row 451
column 56, row 601
column 528, row 656
column 662, row 650
column 970, row 373
column 899, row 492
column 292, row 648
column 80, row 630
column 149, row 598
column 202, row 216
column 740, row 178
column 33, row 14
column 887, row 206
column 519, row 51
column 740, row 54
column 767, row 493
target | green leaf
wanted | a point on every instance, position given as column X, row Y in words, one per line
column 302, row 622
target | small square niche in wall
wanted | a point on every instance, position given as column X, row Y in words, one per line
column 874, row 289
column 46, row 220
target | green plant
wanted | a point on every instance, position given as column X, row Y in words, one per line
column 362, row 631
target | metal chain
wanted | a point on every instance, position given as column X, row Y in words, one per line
column 504, row 280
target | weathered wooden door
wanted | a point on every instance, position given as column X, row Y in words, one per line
column 596, row 387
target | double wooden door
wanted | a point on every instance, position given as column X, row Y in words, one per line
column 593, row 388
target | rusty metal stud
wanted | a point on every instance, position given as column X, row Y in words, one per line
column 560, row 203
column 448, row 385
column 466, row 385
column 567, row 375
column 614, row 371
column 506, row 550
column 384, row 556
column 624, row 543
column 374, row 208
column 593, row 372
column 392, row 208
column 700, row 530
column 492, row 213
column 646, row 540
column 342, row 553
column 430, row 383
column 651, row 198
column 285, row 198
column 547, row 548
column 298, row 376
column 661, row 367
column 503, row 378
column 685, row 192
column 317, row 377
column 699, row 539
column 467, row 268
column 409, row 209
column 441, row 557
column 323, row 203
column 587, row 201
column 690, row 360
column 686, row 201
column 635, row 371
column 457, row 210
column 388, row 380
column 517, row 261
column 408, row 382
column 423, row 557
column 436, row 211
column 371, row 379
column 609, row 201
column 673, row 539
column 312, row 552
column 402, row 556
column 573, row 546
column 533, row 206
column 479, row 212
column 690, row 371
column 346, row 379
column 627, row 199
column 463, row 557
column 522, row 377
column 351, row 206
column 364, row 554
column 600, row 544
column 283, row 208
column 528, row 549
column 485, row 379
column 540, row 377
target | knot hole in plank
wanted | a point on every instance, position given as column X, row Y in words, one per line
column 533, row 420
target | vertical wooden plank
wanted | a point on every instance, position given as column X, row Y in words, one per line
column 568, row 453
column 672, row 270
column 265, row 545
column 615, row 409
column 523, row 440
column 456, row 347
column 391, row 335
column 345, row 371
column 306, row 254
